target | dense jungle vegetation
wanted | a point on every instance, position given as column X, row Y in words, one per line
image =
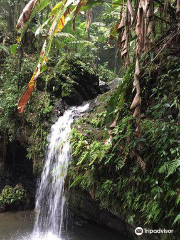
column 126, row 148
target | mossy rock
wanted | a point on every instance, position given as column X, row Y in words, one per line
column 73, row 80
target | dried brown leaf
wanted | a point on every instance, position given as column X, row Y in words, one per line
column 127, row 60
column 130, row 9
column 166, row 3
column 137, row 69
column 78, row 8
column 136, row 112
column 123, row 21
column 136, row 81
column 113, row 124
column 124, row 37
column 150, row 28
column 92, row 192
column 136, row 101
column 26, row 13
column 88, row 19
column 178, row 6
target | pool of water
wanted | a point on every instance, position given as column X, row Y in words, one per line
column 19, row 225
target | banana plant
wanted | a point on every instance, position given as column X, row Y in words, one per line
column 62, row 13
column 136, row 24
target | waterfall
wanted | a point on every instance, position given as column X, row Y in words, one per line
column 50, row 197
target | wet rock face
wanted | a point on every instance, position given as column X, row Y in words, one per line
column 81, row 204
column 16, row 179
column 82, row 91
column 114, row 83
column 103, row 86
column 60, row 108
column 75, row 81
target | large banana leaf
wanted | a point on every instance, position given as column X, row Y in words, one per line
column 38, row 7
column 62, row 13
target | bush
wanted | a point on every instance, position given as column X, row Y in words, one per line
column 116, row 174
column 13, row 198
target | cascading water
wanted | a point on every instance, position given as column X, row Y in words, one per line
column 50, row 197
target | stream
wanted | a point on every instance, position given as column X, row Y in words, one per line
column 19, row 226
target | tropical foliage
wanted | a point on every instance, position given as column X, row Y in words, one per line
column 126, row 149
column 136, row 28
column 134, row 176
column 13, row 198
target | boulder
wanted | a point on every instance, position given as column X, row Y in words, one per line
column 81, row 204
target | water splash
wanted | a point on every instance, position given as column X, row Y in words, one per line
column 50, row 197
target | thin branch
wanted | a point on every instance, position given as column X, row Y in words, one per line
column 159, row 42
column 171, row 36
column 161, row 19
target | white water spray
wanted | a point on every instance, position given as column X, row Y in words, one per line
column 50, row 197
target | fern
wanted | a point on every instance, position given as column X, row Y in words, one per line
column 4, row 49
column 83, row 156
column 170, row 167
column 76, row 181
column 177, row 219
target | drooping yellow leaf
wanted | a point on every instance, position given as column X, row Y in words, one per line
column 59, row 21
column 28, row 92
column 56, row 7
column 18, row 39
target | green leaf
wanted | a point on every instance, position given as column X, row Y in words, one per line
column 177, row 219
column 44, row 67
column 76, row 181
column 178, row 199
column 14, row 48
column 4, row 48
column 65, row 35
